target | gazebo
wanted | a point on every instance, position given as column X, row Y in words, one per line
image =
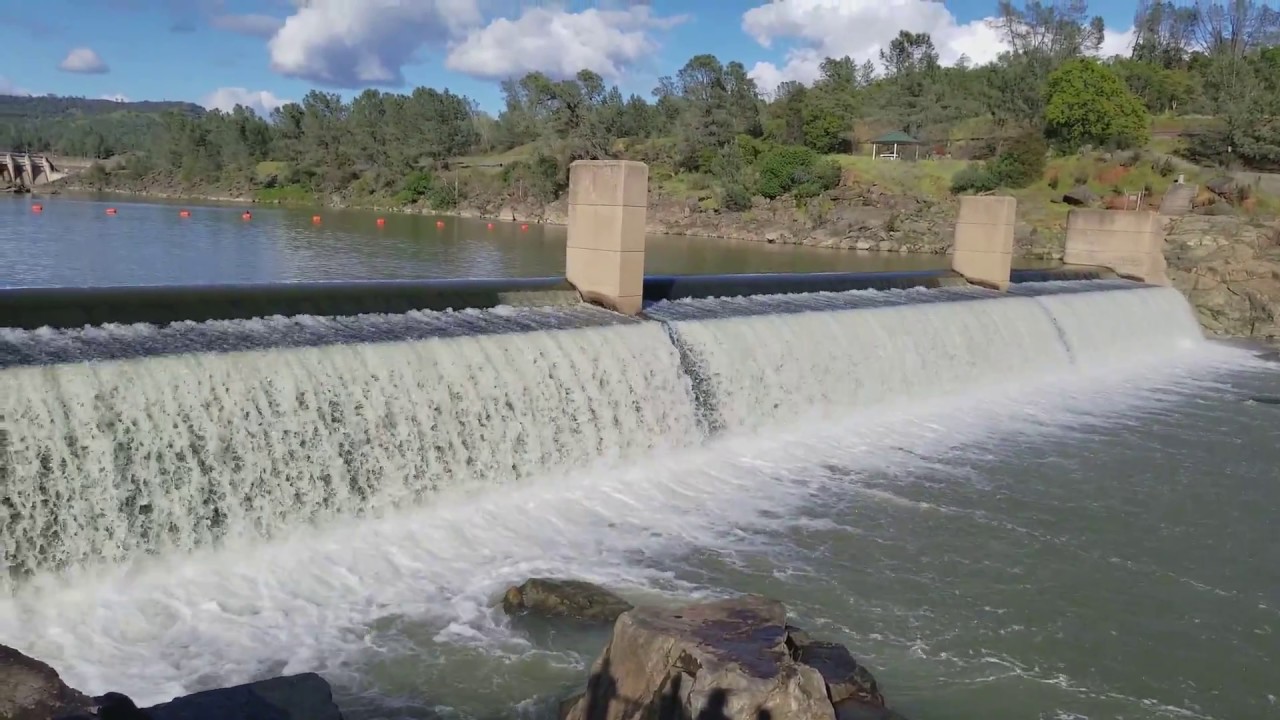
column 896, row 138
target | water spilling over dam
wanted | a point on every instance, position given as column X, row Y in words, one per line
column 123, row 441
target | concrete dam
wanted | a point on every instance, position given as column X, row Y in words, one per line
column 142, row 422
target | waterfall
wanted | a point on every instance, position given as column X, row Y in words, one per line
column 107, row 460
column 118, row 442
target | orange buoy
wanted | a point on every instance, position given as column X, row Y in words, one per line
column 382, row 222
column 246, row 215
column 111, row 211
column 184, row 213
column 440, row 223
column 37, row 208
column 524, row 227
column 490, row 226
column 315, row 219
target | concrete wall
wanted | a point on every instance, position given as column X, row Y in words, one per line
column 1130, row 242
column 608, row 200
column 983, row 249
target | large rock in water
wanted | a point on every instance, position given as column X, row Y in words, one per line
column 564, row 598
column 1229, row 268
column 726, row 660
column 31, row 690
column 292, row 697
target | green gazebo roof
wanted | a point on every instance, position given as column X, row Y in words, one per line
column 896, row 138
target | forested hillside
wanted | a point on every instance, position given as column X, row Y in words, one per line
column 83, row 127
column 709, row 128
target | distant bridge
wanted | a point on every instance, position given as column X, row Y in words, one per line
column 27, row 170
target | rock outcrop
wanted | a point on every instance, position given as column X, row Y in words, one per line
column 564, row 598
column 31, row 690
column 726, row 660
column 292, row 697
column 1229, row 269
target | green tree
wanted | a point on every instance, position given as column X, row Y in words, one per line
column 1086, row 102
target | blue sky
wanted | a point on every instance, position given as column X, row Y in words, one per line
column 263, row 52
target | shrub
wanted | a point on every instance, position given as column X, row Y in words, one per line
column 783, row 167
column 735, row 197
column 1021, row 163
column 974, row 178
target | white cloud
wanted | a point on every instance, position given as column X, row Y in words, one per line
column 7, row 87
column 83, row 60
column 1117, row 43
column 226, row 99
column 351, row 44
column 861, row 28
column 116, row 97
column 251, row 24
column 560, row 43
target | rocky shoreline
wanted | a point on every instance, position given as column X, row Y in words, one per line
column 731, row 659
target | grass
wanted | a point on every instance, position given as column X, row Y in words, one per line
column 286, row 195
column 929, row 178
column 497, row 160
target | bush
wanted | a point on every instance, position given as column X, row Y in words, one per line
column 735, row 197
column 784, row 167
column 1022, row 162
column 974, row 178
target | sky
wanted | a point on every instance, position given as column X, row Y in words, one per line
column 262, row 53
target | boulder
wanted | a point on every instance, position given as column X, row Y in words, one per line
column 564, row 598
column 31, row 690
column 1224, row 187
column 1080, row 197
column 724, row 660
column 292, row 697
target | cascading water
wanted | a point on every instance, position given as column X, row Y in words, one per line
column 121, row 442
column 105, row 461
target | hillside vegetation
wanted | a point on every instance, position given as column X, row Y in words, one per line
column 1202, row 83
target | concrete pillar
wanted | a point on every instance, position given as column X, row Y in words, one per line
column 983, row 251
column 12, row 165
column 605, row 258
column 1130, row 242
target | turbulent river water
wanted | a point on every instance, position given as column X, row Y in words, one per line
column 1055, row 504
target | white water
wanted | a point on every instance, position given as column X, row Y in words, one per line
column 1126, row 325
column 110, row 460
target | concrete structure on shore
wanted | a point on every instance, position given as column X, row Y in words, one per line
column 608, row 200
column 27, row 170
column 1130, row 242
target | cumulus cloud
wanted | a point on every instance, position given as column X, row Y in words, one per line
column 115, row 98
column 83, row 60
column 560, row 43
column 257, row 25
column 349, row 44
column 341, row 43
column 862, row 28
column 226, row 99
column 1117, row 43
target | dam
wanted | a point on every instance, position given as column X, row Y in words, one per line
column 943, row 467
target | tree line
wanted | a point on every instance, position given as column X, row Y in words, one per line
column 1219, row 59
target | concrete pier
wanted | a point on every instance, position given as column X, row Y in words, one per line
column 608, row 200
column 26, row 170
column 983, row 250
column 1130, row 242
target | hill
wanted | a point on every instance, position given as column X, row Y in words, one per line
column 46, row 107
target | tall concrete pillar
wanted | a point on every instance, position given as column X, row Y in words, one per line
column 12, row 165
column 983, row 250
column 1130, row 242
column 605, row 258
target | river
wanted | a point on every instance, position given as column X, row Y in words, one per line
column 1054, row 505
column 74, row 242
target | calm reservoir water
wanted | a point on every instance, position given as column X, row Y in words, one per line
column 73, row 242
column 1056, row 505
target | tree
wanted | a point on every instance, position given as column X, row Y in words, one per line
column 1087, row 103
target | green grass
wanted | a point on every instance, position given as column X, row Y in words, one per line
column 928, row 178
column 269, row 169
column 286, row 195
column 497, row 160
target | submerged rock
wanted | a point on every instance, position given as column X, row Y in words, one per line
column 31, row 690
column 725, row 660
column 575, row 599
